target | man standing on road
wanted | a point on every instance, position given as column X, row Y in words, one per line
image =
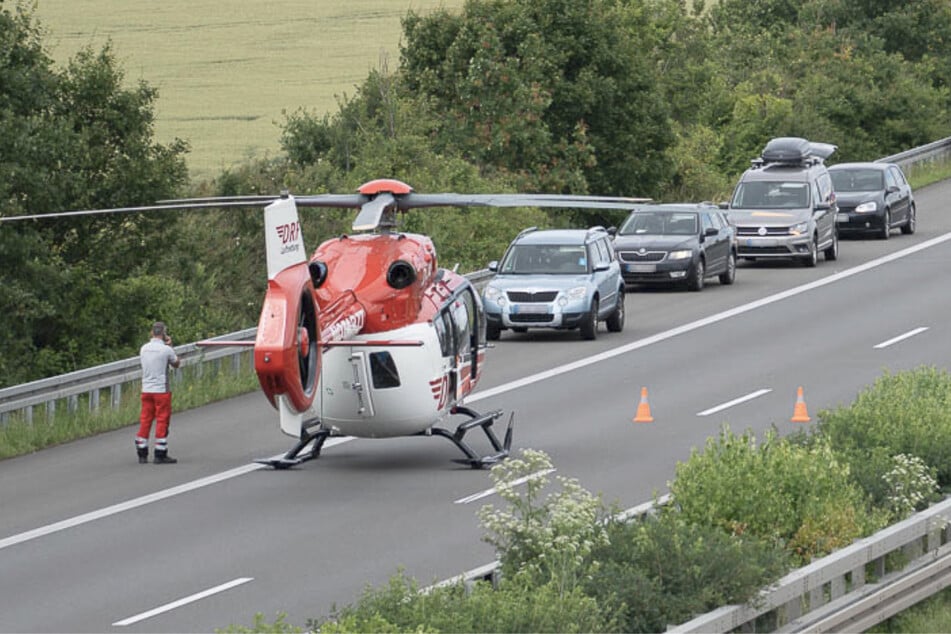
column 157, row 356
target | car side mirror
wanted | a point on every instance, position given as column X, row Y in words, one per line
column 723, row 205
column 823, row 206
column 494, row 266
column 612, row 231
column 891, row 189
column 601, row 267
column 711, row 231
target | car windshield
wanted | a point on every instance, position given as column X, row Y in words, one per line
column 857, row 180
column 771, row 195
column 654, row 223
column 524, row 259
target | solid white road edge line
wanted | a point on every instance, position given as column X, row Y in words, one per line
column 488, row 492
column 910, row 333
column 184, row 601
column 501, row 389
column 736, row 401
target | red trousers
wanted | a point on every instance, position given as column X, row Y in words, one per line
column 157, row 407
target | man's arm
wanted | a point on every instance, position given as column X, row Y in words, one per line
column 174, row 361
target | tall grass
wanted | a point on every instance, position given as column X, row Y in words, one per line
column 227, row 72
column 929, row 172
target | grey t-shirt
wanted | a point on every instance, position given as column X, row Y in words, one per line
column 156, row 357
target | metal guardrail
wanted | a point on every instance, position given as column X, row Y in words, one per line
column 852, row 589
column 932, row 152
column 112, row 378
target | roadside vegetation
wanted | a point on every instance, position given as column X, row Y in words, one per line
column 742, row 513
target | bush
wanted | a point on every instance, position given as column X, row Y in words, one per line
column 801, row 495
column 903, row 413
column 518, row 605
column 548, row 539
column 664, row 570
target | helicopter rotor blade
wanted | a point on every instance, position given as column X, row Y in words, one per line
column 177, row 206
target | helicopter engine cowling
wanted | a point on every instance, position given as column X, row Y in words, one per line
column 286, row 351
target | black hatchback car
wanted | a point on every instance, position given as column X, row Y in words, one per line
column 873, row 198
column 681, row 243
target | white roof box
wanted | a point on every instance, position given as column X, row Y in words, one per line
column 791, row 149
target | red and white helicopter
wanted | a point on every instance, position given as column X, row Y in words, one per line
column 369, row 337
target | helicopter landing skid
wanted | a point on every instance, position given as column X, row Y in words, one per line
column 485, row 422
column 293, row 457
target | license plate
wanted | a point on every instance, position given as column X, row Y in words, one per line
column 841, row 217
column 641, row 268
column 761, row 242
column 533, row 309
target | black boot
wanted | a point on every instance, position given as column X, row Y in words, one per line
column 162, row 457
column 143, row 454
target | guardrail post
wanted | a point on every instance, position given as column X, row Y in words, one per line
column 116, row 395
column 791, row 611
column 50, row 410
column 858, row 577
column 94, row 400
column 837, row 587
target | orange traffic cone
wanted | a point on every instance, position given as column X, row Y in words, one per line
column 643, row 409
column 800, row 415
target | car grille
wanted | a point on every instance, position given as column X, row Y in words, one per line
column 540, row 296
column 636, row 256
column 770, row 231
column 530, row 318
column 763, row 251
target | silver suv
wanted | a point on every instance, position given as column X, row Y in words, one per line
column 556, row 278
column 784, row 205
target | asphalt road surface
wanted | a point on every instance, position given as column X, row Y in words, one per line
column 91, row 541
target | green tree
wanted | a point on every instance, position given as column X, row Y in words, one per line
column 73, row 138
column 557, row 92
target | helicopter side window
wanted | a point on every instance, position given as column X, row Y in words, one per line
column 383, row 370
column 462, row 316
column 444, row 333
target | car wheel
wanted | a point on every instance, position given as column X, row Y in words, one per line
column 589, row 325
column 886, row 226
column 615, row 322
column 729, row 275
column 493, row 332
column 909, row 227
column 832, row 253
column 695, row 281
column 813, row 258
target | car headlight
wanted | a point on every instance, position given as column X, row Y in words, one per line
column 867, row 207
column 578, row 292
column 680, row 255
column 493, row 294
column 799, row 229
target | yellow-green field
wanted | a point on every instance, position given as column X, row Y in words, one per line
column 227, row 71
